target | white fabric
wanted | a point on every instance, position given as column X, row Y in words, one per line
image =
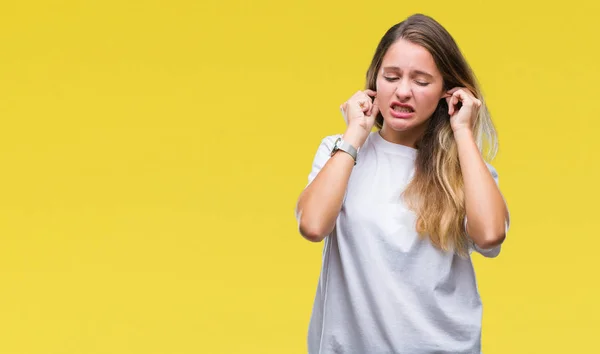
column 382, row 288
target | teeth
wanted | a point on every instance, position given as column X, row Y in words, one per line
column 402, row 109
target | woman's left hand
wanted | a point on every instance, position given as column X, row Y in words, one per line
column 463, row 116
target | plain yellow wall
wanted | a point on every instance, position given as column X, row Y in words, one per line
column 151, row 154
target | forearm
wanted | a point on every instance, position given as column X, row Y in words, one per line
column 486, row 209
column 320, row 203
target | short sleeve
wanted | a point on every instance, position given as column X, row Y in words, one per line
column 495, row 251
column 322, row 156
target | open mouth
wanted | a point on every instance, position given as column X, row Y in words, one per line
column 402, row 109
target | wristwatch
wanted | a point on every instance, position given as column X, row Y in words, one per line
column 346, row 147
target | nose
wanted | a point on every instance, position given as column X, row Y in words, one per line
column 403, row 90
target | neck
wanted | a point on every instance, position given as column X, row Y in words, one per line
column 408, row 138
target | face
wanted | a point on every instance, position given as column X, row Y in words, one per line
column 409, row 88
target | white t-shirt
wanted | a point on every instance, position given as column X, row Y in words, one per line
column 382, row 288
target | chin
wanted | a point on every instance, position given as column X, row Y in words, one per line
column 399, row 125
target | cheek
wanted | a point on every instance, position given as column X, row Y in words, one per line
column 380, row 86
column 427, row 100
column 384, row 90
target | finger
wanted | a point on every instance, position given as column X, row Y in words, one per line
column 364, row 105
column 365, row 102
column 465, row 94
column 453, row 101
column 370, row 93
column 374, row 109
column 464, row 89
column 465, row 98
column 453, row 90
column 456, row 98
column 356, row 108
column 372, row 106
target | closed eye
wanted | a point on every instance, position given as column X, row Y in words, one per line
column 394, row 78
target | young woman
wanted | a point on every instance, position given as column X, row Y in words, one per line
column 401, row 208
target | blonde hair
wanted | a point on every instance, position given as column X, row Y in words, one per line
column 436, row 192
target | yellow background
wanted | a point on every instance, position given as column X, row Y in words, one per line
column 152, row 153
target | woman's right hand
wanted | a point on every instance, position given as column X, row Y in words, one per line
column 359, row 113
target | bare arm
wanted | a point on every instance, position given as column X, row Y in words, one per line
column 487, row 213
column 320, row 202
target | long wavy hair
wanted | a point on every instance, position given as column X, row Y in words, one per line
column 436, row 192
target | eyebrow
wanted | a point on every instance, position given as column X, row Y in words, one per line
column 417, row 72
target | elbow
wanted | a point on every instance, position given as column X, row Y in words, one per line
column 313, row 228
column 489, row 235
column 491, row 240
column 312, row 233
